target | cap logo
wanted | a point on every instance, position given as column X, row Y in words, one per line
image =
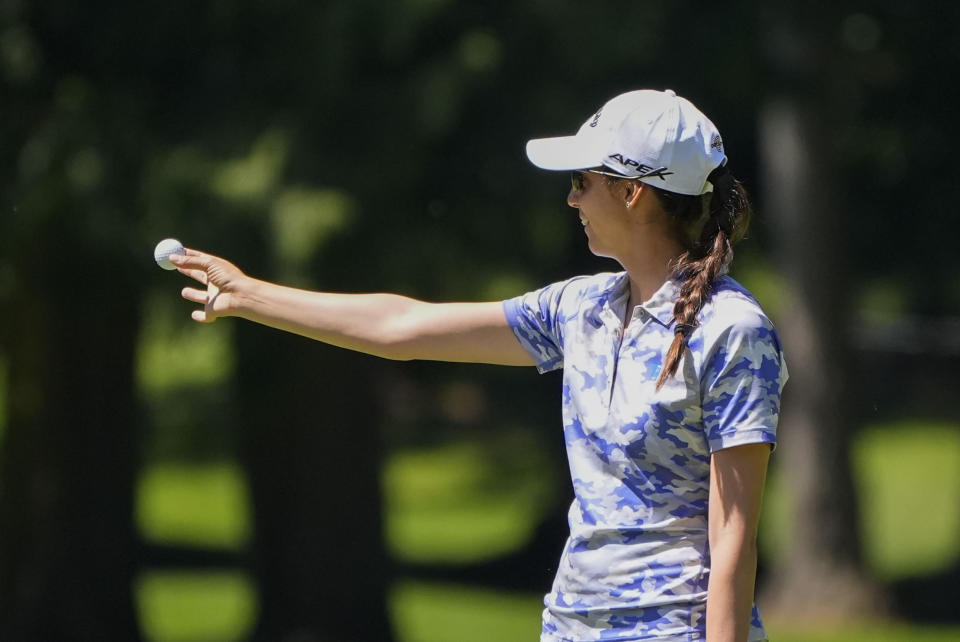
column 645, row 171
column 596, row 117
column 716, row 143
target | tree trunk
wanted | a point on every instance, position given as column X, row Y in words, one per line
column 67, row 553
column 822, row 574
column 310, row 443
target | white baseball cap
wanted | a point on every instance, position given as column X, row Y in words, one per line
column 653, row 136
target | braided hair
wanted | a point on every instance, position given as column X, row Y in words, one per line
column 709, row 225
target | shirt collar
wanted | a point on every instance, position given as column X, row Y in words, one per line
column 659, row 306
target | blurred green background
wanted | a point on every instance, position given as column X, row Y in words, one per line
column 162, row 480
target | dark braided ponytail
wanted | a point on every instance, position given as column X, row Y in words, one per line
column 709, row 250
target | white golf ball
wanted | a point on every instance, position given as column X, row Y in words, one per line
column 164, row 249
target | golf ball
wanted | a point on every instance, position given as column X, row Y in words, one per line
column 164, row 249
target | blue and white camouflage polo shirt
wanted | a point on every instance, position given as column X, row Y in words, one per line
column 636, row 563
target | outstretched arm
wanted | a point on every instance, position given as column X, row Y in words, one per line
column 385, row 325
column 736, row 487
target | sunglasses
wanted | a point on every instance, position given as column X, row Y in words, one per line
column 576, row 177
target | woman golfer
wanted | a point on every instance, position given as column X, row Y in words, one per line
column 672, row 373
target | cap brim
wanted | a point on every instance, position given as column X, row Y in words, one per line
column 564, row 153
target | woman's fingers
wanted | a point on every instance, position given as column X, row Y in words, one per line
column 195, row 295
column 192, row 260
column 208, row 299
column 203, row 298
column 198, row 275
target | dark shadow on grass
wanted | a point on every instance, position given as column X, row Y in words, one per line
column 932, row 599
column 530, row 568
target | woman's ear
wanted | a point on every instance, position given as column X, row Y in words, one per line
column 633, row 193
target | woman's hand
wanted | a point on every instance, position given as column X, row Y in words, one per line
column 222, row 278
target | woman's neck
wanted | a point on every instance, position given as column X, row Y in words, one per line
column 650, row 270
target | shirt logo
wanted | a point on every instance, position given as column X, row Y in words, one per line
column 645, row 171
column 716, row 143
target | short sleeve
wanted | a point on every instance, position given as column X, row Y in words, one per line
column 536, row 320
column 742, row 382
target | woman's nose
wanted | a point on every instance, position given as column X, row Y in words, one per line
column 573, row 197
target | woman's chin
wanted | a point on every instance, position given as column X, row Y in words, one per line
column 603, row 254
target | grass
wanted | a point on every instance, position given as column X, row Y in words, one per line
column 460, row 503
column 172, row 351
column 862, row 632
column 187, row 607
column 195, row 504
column 429, row 612
column 196, row 607
column 466, row 502
column 909, row 487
